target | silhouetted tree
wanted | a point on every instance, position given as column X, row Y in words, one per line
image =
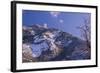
column 86, row 32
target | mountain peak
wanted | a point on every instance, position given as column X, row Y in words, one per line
column 50, row 44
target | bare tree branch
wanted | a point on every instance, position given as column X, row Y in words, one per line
column 86, row 31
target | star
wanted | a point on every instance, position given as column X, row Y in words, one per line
column 54, row 14
column 61, row 21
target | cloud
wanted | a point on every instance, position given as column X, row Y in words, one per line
column 54, row 14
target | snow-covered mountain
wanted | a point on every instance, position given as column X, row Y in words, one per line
column 50, row 44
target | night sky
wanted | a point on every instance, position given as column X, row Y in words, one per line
column 65, row 21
